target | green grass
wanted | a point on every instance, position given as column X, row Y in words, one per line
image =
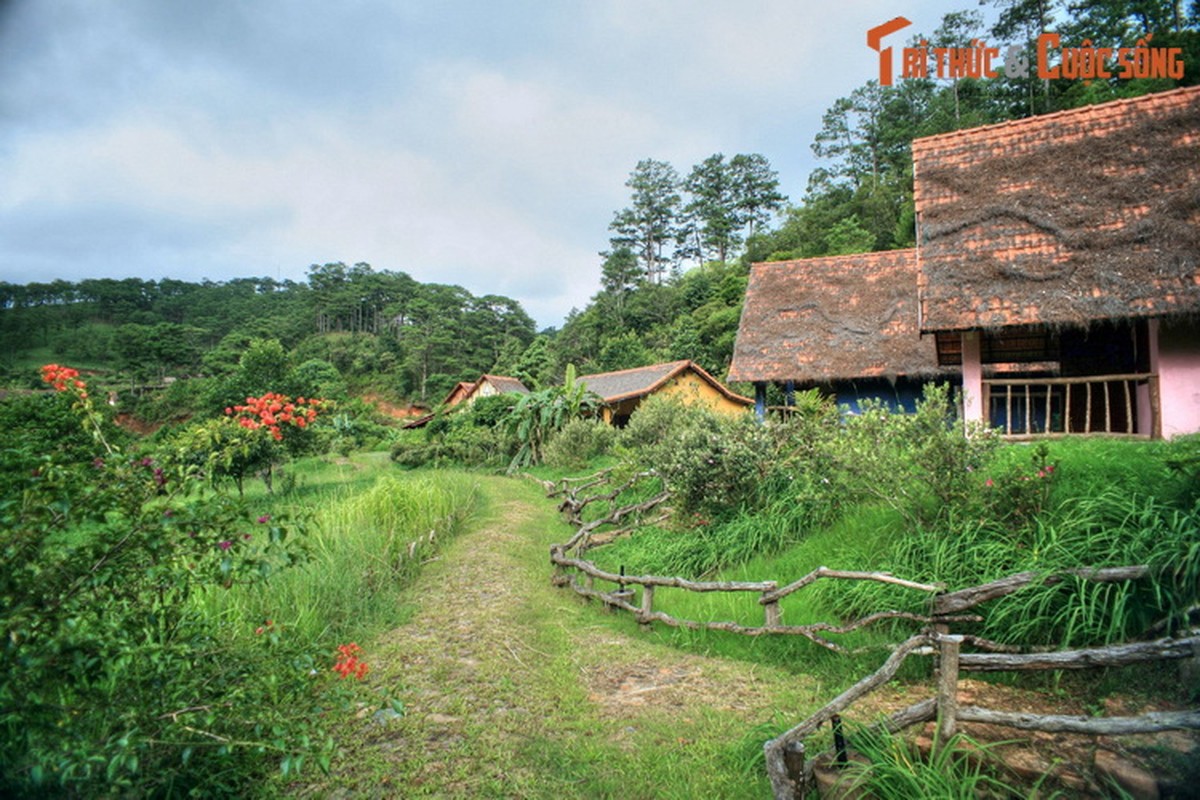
column 370, row 532
column 510, row 697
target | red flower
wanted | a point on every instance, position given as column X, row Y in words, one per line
column 62, row 378
column 348, row 662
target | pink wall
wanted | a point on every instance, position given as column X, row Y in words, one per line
column 1178, row 367
column 972, row 372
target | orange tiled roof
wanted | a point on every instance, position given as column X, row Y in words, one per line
column 1086, row 214
column 819, row 320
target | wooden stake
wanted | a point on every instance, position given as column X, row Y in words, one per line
column 947, row 691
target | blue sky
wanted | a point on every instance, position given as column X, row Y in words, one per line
column 480, row 143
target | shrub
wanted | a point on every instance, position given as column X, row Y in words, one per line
column 924, row 464
column 579, row 441
column 459, row 443
column 111, row 683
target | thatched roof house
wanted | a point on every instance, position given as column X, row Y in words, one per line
column 1060, row 263
column 624, row 390
column 847, row 323
column 1064, row 219
column 1057, row 268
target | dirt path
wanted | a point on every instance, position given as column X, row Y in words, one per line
column 514, row 688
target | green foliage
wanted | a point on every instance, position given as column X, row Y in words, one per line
column 317, row 378
column 539, row 415
column 457, row 442
column 578, row 443
column 923, row 464
column 895, row 768
column 221, row 450
column 111, row 683
column 488, row 412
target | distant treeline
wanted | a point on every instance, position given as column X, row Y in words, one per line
column 421, row 336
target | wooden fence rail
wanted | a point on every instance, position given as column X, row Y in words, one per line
column 788, row 769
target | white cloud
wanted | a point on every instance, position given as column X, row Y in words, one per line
column 486, row 145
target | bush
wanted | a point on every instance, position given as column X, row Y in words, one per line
column 111, row 683
column 579, row 441
column 459, row 442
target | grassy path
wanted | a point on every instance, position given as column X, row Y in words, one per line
column 515, row 688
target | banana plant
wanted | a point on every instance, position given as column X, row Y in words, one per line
column 539, row 415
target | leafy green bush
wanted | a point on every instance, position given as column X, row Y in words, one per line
column 924, row 464
column 579, row 442
column 490, row 411
column 111, row 683
column 459, row 442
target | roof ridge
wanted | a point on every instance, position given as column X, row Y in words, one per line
column 1057, row 115
column 846, row 256
column 672, row 364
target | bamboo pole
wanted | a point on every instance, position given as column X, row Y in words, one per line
column 1028, row 408
column 1107, row 407
column 1128, row 408
column 1087, row 420
column 1008, row 410
column 1049, row 410
column 1067, row 411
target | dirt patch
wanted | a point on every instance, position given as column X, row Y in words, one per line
column 1078, row 765
column 390, row 409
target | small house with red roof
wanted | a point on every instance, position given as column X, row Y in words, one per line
column 623, row 391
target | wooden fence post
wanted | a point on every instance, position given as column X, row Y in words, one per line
column 793, row 758
column 647, row 605
column 947, row 688
column 773, row 616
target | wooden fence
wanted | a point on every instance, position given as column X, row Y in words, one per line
column 573, row 570
column 790, row 772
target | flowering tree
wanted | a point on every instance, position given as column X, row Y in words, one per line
column 112, row 682
column 251, row 437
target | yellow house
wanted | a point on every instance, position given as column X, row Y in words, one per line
column 624, row 390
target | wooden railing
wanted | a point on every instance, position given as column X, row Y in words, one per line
column 790, row 772
column 572, row 570
column 1095, row 404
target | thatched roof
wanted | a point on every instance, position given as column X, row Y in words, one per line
column 626, row 384
column 1087, row 214
column 820, row 320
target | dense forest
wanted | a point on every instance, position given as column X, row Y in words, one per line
column 672, row 278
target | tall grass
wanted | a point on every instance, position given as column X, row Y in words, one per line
column 366, row 547
column 1107, row 504
column 894, row 768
